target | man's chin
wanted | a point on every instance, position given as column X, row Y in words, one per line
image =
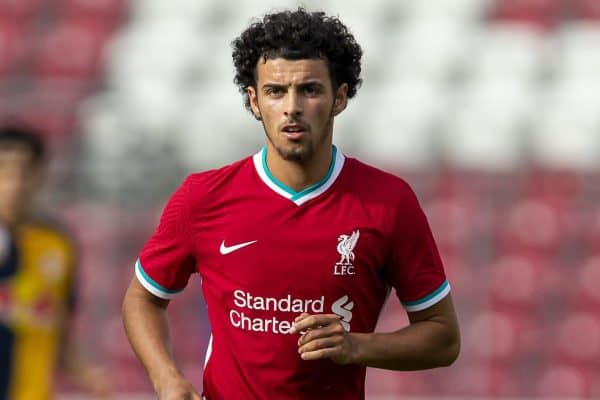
column 295, row 152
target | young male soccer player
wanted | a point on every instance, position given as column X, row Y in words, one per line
column 298, row 246
column 37, row 268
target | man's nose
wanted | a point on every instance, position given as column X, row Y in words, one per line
column 293, row 107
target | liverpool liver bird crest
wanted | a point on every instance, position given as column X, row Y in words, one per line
column 346, row 246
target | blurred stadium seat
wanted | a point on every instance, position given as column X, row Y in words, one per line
column 466, row 11
column 544, row 14
column 414, row 41
column 564, row 381
column 18, row 10
column 401, row 129
column 484, row 130
column 72, row 48
column 509, row 50
column 570, row 106
column 586, row 9
column 578, row 45
column 13, row 45
column 105, row 10
column 577, row 339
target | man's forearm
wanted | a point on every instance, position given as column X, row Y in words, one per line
column 146, row 326
column 421, row 345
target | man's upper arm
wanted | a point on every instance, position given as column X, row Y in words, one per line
column 137, row 291
column 442, row 311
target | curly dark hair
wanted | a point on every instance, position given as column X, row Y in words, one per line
column 296, row 35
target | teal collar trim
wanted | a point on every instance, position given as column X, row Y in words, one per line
column 335, row 167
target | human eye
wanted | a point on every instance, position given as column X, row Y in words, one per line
column 311, row 90
column 273, row 91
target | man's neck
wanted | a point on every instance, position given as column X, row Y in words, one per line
column 298, row 176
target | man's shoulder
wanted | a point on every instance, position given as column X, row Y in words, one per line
column 375, row 180
column 214, row 180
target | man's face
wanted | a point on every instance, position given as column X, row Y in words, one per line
column 296, row 103
column 19, row 179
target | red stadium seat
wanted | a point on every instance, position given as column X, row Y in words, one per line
column 107, row 11
column 455, row 220
column 12, row 44
column 131, row 377
column 529, row 224
column 586, row 290
column 502, row 337
column 556, row 184
column 464, row 278
column 544, row 14
column 592, row 231
column 17, row 10
column 54, row 124
column 73, row 49
column 586, row 9
column 523, row 282
column 393, row 316
column 539, row 222
column 381, row 383
column 479, row 380
column 577, row 339
column 564, row 381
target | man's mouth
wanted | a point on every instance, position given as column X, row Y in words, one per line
column 294, row 131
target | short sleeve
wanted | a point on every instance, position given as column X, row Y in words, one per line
column 166, row 261
column 415, row 268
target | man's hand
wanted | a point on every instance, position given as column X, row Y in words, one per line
column 323, row 336
column 177, row 388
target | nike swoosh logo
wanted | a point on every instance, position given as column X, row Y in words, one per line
column 230, row 249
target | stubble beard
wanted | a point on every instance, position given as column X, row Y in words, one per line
column 301, row 152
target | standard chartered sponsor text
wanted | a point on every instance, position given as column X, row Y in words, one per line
column 246, row 301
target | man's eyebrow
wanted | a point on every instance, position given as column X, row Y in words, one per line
column 310, row 83
column 313, row 82
column 274, row 85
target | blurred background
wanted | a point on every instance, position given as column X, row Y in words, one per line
column 490, row 109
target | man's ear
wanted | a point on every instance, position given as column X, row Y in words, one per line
column 253, row 99
column 341, row 99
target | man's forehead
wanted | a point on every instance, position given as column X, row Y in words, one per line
column 15, row 151
column 295, row 70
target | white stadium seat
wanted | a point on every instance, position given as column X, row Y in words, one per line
column 566, row 133
column 153, row 51
column 155, row 10
column 431, row 48
column 578, row 50
column 484, row 128
column 461, row 10
column 215, row 128
column 398, row 122
column 508, row 50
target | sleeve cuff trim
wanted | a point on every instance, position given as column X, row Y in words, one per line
column 150, row 285
column 429, row 300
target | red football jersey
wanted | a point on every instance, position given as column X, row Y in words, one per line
column 267, row 253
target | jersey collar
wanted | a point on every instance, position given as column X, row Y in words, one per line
column 299, row 198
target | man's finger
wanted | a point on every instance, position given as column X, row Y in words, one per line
column 320, row 354
column 321, row 343
column 301, row 317
column 313, row 321
column 326, row 331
